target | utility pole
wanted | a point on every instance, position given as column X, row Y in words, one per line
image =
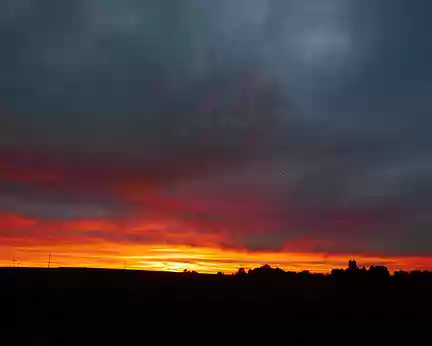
column 49, row 260
column 13, row 261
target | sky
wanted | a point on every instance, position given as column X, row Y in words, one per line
column 210, row 135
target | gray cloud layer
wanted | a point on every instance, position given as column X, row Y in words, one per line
column 221, row 96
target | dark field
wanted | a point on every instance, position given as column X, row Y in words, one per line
column 65, row 303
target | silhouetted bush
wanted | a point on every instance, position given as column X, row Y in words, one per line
column 337, row 273
column 266, row 271
column 378, row 271
column 400, row 274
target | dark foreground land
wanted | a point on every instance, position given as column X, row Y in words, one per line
column 61, row 303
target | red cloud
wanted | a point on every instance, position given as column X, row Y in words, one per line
column 15, row 221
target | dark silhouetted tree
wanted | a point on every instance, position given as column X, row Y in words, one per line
column 241, row 272
column 352, row 265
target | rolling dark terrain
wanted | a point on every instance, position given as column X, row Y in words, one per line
column 98, row 302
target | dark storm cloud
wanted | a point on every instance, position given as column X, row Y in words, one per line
column 321, row 107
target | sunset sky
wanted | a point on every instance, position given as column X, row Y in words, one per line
column 209, row 135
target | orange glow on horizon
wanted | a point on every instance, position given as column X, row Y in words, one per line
column 160, row 244
column 177, row 258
